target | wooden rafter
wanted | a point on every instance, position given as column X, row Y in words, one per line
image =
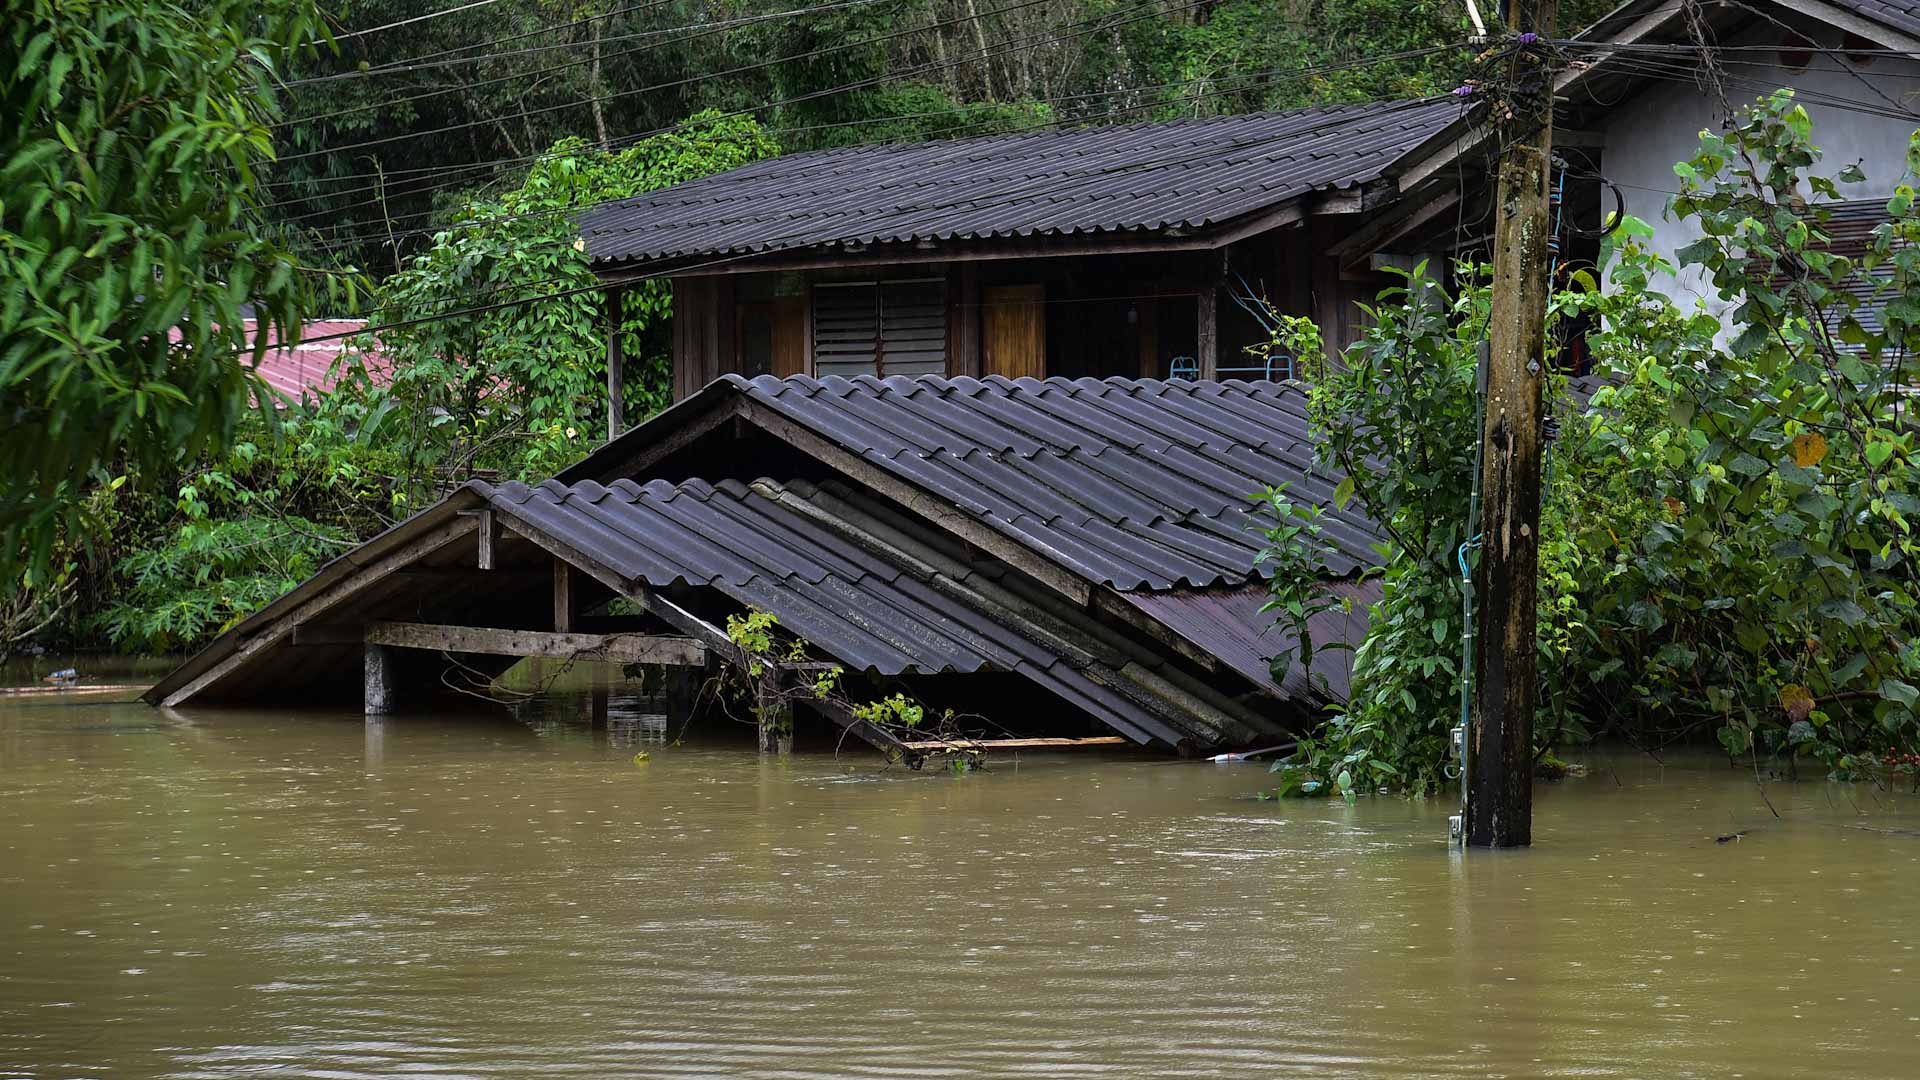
column 625, row 648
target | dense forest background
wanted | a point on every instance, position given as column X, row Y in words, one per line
column 392, row 133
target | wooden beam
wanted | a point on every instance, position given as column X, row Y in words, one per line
column 352, row 585
column 563, row 598
column 1019, row 744
column 1385, row 228
column 484, row 539
column 485, row 641
column 809, row 258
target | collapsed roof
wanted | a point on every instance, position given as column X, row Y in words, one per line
column 1093, row 538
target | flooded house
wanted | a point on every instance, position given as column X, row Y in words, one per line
column 1061, row 558
column 977, row 421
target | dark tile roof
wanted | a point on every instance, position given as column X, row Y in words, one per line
column 1229, row 625
column 1137, row 484
column 864, row 591
column 1902, row 15
column 1191, row 174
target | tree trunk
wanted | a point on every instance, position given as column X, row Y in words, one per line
column 594, row 88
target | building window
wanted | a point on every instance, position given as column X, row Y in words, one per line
column 880, row 328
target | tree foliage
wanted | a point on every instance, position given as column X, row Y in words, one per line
column 497, row 358
column 1727, row 528
column 132, row 138
column 480, row 94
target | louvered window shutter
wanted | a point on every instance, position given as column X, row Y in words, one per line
column 913, row 328
column 883, row 328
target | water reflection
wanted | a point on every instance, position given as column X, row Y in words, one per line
column 226, row 894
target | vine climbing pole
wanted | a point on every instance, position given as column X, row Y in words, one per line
column 1500, row 778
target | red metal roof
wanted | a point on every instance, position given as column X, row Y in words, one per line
column 306, row 369
column 299, row 370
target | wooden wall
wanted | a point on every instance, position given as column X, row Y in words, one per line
column 1102, row 315
column 703, row 325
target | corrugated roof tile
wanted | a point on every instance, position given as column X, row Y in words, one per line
column 1188, row 174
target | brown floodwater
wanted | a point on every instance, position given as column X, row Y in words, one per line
column 240, row 894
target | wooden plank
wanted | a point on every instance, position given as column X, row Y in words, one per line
column 900, row 256
column 1013, row 331
column 486, row 641
column 484, row 537
column 563, row 597
column 282, row 629
column 1018, row 744
column 104, row 688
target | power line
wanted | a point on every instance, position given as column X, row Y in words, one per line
column 809, row 55
column 701, row 32
column 999, row 51
column 395, row 67
column 1048, row 183
column 1240, row 82
column 417, row 19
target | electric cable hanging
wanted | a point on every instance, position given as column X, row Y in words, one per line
column 335, row 238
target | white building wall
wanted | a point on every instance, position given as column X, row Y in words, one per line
column 1661, row 124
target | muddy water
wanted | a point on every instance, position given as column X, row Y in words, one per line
column 242, row 894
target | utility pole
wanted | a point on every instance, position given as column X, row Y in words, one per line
column 1500, row 778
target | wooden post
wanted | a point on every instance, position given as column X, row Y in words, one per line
column 562, row 597
column 1146, row 330
column 1500, row 786
column 616, row 367
column 775, row 716
column 1206, row 345
column 381, row 694
column 599, row 697
column 485, row 538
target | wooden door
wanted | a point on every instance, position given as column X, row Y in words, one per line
column 789, row 335
column 1013, row 331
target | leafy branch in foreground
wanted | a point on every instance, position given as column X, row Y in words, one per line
column 132, row 135
column 780, row 670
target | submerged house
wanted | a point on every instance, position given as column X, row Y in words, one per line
column 1064, row 557
column 1134, row 250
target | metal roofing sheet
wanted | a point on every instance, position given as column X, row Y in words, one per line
column 1228, row 624
column 1137, row 484
column 1189, row 174
column 785, row 549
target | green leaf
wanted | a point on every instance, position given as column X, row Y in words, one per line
column 1902, row 692
column 1842, row 610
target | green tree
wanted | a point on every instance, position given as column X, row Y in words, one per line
column 131, row 138
column 521, row 387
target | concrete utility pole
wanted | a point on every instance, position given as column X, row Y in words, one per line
column 1500, row 781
